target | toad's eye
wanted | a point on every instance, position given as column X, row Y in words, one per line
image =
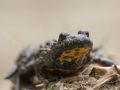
column 84, row 32
column 63, row 36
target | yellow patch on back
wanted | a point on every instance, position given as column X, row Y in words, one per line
column 73, row 54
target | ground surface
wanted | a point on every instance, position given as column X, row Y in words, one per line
column 91, row 78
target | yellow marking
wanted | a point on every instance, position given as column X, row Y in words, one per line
column 69, row 59
column 73, row 54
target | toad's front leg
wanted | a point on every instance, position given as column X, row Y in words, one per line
column 46, row 74
column 101, row 60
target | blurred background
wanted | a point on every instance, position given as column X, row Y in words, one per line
column 24, row 22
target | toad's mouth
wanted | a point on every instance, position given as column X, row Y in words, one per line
column 73, row 54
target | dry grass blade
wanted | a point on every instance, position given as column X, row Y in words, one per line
column 103, row 80
column 106, row 73
column 72, row 78
column 101, row 71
